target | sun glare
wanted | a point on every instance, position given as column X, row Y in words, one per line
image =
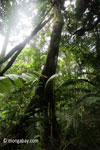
column 23, row 27
column 1, row 41
column 19, row 31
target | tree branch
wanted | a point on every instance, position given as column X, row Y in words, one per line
column 81, row 31
column 20, row 47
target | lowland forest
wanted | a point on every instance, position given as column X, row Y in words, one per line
column 49, row 74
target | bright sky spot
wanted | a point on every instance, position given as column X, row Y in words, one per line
column 1, row 41
column 24, row 27
column 19, row 33
column 67, row 3
column 21, row 26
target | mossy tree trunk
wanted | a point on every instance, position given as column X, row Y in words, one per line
column 51, row 126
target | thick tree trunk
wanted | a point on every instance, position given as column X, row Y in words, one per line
column 48, row 71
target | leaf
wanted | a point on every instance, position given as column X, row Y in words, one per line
column 92, row 100
column 5, row 83
column 74, row 81
column 50, row 81
column 3, row 88
column 36, row 73
column 7, row 109
column 16, row 80
column 27, row 77
column 1, row 95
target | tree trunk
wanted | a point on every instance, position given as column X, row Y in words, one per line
column 4, row 47
column 48, row 71
column 47, row 104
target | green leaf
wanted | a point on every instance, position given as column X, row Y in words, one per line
column 16, row 80
column 92, row 100
column 5, row 83
column 50, row 81
column 73, row 82
column 27, row 77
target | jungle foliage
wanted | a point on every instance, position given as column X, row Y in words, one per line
column 50, row 89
